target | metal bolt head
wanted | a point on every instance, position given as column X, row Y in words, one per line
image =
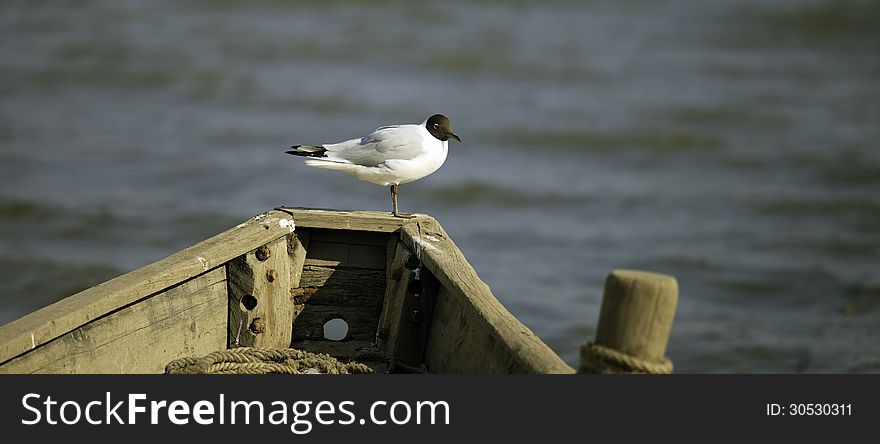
column 414, row 287
column 257, row 326
column 412, row 262
column 271, row 275
column 262, row 253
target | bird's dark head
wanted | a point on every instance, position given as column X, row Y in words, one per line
column 441, row 128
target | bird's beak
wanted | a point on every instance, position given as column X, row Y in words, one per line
column 455, row 136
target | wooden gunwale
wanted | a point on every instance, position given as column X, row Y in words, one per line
column 521, row 350
column 518, row 349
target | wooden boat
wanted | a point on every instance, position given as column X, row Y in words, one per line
column 401, row 285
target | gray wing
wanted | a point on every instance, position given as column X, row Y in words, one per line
column 402, row 142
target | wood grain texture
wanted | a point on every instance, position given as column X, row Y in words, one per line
column 471, row 331
column 638, row 308
column 248, row 278
column 340, row 286
column 350, row 237
column 397, row 275
column 350, row 220
column 362, row 322
column 327, row 254
column 186, row 320
column 48, row 323
column 297, row 250
column 414, row 322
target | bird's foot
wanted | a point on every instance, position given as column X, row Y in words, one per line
column 403, row 215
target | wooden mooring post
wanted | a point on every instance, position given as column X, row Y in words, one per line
column 634, row 324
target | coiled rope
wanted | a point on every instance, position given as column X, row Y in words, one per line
column 597, row 358
column 254, row 361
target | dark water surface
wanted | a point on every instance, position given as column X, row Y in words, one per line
column 732, row 144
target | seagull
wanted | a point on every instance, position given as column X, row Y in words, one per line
column 389, row 156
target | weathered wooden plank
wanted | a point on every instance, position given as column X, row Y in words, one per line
column 350, row 237
column 350, row 220
column 327, row 254
column 406, row 317
column 260, row 308
column 186, row 320
column 297, row 248
column 397, row 275
column 489, row 322
column 362, row 322
column 416, row 316
column 70, row 313
column 391, row 254
column 489, row 338
column 340, row 286
column 334, row 296
column 462, row 342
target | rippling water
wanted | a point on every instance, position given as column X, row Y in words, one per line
column 732, row 144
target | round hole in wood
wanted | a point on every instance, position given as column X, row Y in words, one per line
column 249, row 302
column 335, row 329
column 262, row 253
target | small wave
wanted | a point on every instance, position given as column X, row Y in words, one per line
column 752, row 287
column 728, row 116
column 831, row 245
column 863, row 298
column 37, row 282
column 689, row 262
column 650, row 139
column 802, row 206
column 761, row 358
column 482, row 193
column 56, row 221
column 857, row 173
column 12, row 210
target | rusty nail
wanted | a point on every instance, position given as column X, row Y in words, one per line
column 271, row 275
column 262, row 253
column 257, row 326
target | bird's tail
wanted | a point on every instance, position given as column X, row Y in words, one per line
column 308, row 151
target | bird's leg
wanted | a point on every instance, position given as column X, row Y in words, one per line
column 394, row 211
column 393, row 200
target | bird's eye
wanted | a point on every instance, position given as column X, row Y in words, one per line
column 436, row 126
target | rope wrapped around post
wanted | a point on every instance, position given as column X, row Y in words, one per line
column 597, row 358
column 634, row 324
column 249, row 360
